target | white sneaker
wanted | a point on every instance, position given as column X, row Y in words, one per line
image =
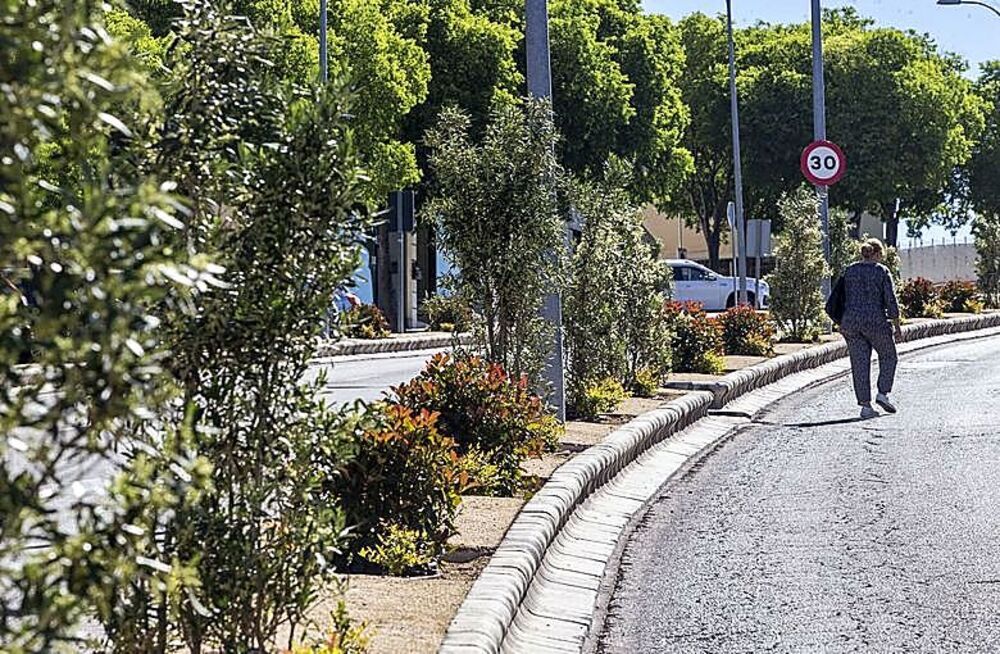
column 883, row 401
column 867, row 412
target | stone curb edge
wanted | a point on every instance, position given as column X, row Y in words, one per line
column 353, row 346
column 491, row 605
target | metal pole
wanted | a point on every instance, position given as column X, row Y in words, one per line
column 539, row 78
column 737, row 165
column 819, row 128
column 323, row 64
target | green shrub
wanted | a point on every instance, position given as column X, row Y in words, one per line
column 796, row 283
column 482, row 407
column 344, row 637
column 482, row 475
column 919, row 299
column 365, row 321
column 960, row 297
column 615, row 327
column 987, row 232
column 400, row 551
column 447, row 313
column 646, row 383
column 403, row 472
column 747, row 332
column 599, row 397
column 697, row 340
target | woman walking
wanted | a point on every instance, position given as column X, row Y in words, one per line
column 869, row 306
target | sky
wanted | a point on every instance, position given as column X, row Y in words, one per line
column 969, row 31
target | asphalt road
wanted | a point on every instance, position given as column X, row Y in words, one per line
column 366, row 376
column 800, row 536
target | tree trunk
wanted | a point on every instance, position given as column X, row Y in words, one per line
column 890, row 213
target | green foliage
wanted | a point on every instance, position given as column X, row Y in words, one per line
column 277, row 208
column 402, row 474
column 960, row 297
column 448, row 313
column 344, row 637
column 844, row 250
column 482, row 474
column 598, row 397
column 796, row 284
column 86, row 265
column 987, row 234
column 497, row 219
column 365, row 321
column 984, row 169
column 746, row 332
column 615, row 87
column 400, row 551
column 697, row 339
column 482, row 407
column 647, row 382
column 615, row 327
column 919, row 299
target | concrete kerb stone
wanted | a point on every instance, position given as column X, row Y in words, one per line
column 401, row 343
column 578, row 479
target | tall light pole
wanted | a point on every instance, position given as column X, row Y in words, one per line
column 539, row 71
column 955, row 3
column 734, row 107
column 323, row 64
column 819, row 128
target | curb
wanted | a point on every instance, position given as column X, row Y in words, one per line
column 487, row 615
column 402, row 343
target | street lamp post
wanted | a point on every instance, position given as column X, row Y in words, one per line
column 539, row 78
column 819, row 128
column 737, row 164
column 955, row 3
column 322, row 41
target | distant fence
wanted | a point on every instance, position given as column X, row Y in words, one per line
column 940, row 262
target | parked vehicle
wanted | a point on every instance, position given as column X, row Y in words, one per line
column 694, row 282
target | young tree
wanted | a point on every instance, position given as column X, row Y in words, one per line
column 496, row 213
column 615, row 322
column 987, row 233
column 796, row 284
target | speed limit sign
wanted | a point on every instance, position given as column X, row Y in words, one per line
column 823, row 163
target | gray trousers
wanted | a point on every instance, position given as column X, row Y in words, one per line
column 861, row 339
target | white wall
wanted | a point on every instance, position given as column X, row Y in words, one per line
column 940, row 263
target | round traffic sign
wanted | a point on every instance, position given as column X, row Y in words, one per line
column 823, row 163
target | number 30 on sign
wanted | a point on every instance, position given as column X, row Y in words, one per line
column 823, row 163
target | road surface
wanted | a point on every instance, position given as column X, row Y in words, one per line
column 802, row 534
column 367, row 376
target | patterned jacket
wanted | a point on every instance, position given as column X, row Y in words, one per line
column 870, row 295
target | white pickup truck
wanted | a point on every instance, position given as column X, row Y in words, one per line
column 694, row 282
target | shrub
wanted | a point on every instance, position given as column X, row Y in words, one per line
column 496, row 214
column 403, row 473
column 483, row 476
column 344, row 637
column 84, row 270
column 615, row 327
column 599, row 397
column 796, row 284
column 960, row 297
column 646, row 383
column 366, row 321
column 746, row 332
column 400, row 551
column 919, row 299
column 482, row 407
column 449, row 313
column 697, row 340
column 987, row 232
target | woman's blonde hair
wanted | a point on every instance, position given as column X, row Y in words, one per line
column 872, row 249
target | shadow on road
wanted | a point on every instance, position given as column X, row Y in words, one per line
column 823, row 423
